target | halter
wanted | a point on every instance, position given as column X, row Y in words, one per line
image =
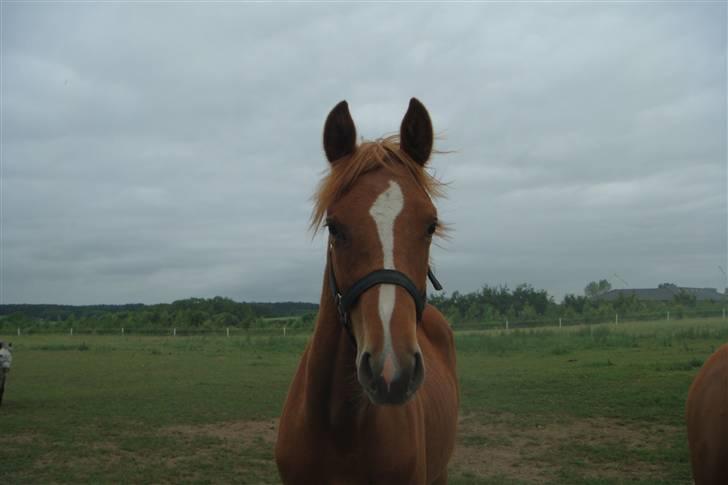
column 377, row 277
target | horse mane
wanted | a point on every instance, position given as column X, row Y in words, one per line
column 369, row 155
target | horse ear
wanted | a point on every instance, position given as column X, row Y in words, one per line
column 415, row 134
column 339, row 133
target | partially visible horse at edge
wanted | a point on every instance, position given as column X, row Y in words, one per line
column 6, row 361
column 375, row 397
column 707, row 420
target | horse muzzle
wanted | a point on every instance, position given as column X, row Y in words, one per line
column 383, row 385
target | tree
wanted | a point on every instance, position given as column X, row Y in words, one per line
column 594, row 289
column 684, row 298
column 226, row 319
column 575, row 303
column 308, row 319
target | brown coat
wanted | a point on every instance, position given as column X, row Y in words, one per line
column 707, row 420
column 329, row 433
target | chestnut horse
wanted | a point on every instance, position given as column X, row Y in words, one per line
column 375, row 397
column 707, row 420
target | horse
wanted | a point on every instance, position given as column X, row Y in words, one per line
column 6, row 360
column 375, row 397
column 707, row 420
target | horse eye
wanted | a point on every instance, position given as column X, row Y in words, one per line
column 334, row 230
column 432, row 228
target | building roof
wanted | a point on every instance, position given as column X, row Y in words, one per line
column 665, row 293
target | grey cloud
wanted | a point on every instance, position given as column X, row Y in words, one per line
column 154, row 152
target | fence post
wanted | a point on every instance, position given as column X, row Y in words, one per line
column 559, row 322
column 284, row 331
column 18, row 331
column 122, row 330
column 616, row 318
column 723, row 313
column 506, row 324
column 71, row 330
column 668, row 316
column 228, row 331
column 174, row 332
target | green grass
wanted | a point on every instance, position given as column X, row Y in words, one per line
column 575, row 405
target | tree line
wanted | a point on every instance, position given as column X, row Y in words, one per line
column 193, row 313
column 490, row 305
column 495, row 304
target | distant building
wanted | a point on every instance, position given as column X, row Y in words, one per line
column 664, row 293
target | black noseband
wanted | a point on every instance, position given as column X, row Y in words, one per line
column 345, row 301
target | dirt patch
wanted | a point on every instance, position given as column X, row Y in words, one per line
column 21, row 439
column 501, row 446
column 105, row 455
column 497, row 448
column 251, row 440
column 246, row 432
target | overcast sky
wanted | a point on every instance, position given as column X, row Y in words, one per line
column 158, row 152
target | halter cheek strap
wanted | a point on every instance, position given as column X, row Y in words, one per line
column 345, row 301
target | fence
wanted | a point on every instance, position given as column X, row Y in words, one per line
column 284, row 331
column 613, row 318
column 160, row 331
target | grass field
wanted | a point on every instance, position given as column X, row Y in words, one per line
column 575, row 405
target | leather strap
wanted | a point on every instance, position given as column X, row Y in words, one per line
column 384, row 277
column 345, row 301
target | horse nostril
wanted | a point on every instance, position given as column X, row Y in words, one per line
column 418, row 373
column 365, row 367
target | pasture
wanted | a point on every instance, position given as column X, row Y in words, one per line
column 600, row 404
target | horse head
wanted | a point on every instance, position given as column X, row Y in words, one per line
column 377, row 205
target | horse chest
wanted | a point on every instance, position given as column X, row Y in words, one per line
column 368, row 466
column 332, row 457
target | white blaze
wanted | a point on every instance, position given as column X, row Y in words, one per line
column 384, row 211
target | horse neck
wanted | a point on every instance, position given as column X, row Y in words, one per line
column 333, row 394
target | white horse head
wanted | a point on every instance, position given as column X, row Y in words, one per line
column 6, row 357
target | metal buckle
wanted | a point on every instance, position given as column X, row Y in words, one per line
column 340, row 309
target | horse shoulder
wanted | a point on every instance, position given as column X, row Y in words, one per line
column 440, row 392
column 439, row 333
column 707, row 420
column 291, row 453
